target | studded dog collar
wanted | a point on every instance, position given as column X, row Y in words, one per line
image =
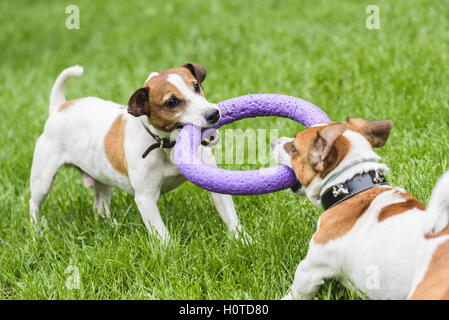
column 342, row 191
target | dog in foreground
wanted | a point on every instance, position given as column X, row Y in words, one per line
column 115, row 146
column 383, row 240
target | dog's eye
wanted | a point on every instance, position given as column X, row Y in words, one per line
column 172, row 102
column 196, row 86
column 294, row 150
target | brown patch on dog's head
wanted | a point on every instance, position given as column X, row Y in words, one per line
column 318, row 150
column 197, row 70
column 161, row 101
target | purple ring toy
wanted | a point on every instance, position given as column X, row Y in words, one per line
column 240, row 182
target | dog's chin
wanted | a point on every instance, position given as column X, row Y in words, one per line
column 300, row 193
column 297, row 189
column 179, row 126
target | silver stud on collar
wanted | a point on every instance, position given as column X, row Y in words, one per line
column 339, row 190
column 378, row 178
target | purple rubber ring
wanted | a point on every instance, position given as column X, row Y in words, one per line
column 244, row 182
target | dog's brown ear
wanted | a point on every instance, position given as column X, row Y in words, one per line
column 323, row 144
column 138, row 102
column 376, row 132
column 198, row 71
column 288, row 147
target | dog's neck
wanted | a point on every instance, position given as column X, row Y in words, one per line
column 172, row 136
column 360, row 159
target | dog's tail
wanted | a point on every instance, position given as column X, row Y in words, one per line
column 438, row 208
column 57, row 96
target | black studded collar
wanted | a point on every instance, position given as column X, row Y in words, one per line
column 342, row 191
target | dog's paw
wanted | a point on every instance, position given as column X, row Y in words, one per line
column 241, row 235
column 288, row 297
column 164, row 238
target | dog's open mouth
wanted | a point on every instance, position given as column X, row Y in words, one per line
column 210, row 139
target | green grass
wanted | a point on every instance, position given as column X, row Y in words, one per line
column 316, row 50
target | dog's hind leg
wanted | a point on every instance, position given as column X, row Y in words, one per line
column 88, row 181
column 46, row 161
column 103, row 194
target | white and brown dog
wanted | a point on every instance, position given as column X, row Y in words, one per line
column 382, row 239
column 109, row 142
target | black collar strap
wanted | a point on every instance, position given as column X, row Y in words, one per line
column 167, row 143
column 160, row 143
column 350, row 188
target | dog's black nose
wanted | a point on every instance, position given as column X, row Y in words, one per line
column 212, row 116
column 296, row 186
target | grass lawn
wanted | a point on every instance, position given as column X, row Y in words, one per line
column 318, row 50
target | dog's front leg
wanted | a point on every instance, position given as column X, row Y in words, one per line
column 147, row 205
column 223, row 202
column 226, row 209
column 310, row 275
column 146, row 182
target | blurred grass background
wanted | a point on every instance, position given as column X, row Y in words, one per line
column 318, row 50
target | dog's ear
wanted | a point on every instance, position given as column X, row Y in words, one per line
column 376, row 132
column 198, row 71
column 323, row 144
column 138, row 102
column 288, row 147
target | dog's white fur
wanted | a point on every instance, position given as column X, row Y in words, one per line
column 76, row 136
column 384, row 259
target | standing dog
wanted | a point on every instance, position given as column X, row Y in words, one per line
column 382, row 239
column 109, row 143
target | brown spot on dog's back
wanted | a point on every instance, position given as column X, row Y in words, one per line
column 401, row 207
column 66, row 104
column 114, row 145
column 443, row 232
column 339, row 220
column 435, row 283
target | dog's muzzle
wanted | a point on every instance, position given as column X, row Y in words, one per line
column 296, row 187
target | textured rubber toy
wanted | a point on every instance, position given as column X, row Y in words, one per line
column 239, row 182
